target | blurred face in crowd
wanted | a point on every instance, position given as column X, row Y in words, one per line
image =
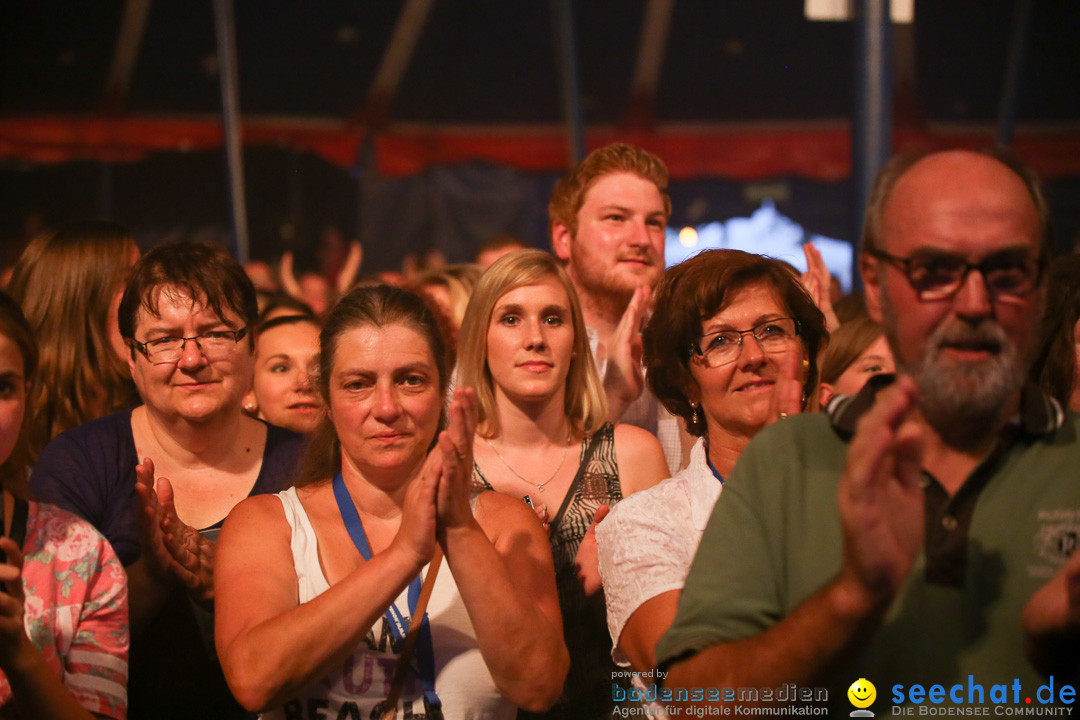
column 619, row 243
column 13, row 391
column 876, row 359
column 286, row 363
column 968, row 350
column 201, row 384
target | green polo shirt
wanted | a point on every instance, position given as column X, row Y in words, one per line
column 774, row 539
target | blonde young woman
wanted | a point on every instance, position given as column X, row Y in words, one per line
column 543, row 435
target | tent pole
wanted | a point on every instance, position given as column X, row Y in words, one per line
column 871, row 135
column 562, row 19
column 230, row 111
column 1010, row 94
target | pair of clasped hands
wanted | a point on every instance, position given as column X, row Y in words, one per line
column 438, row 500
column 13, row 639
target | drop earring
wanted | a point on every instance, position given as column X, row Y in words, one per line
column 695, row 415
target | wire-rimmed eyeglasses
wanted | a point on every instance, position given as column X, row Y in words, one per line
column 722, row 348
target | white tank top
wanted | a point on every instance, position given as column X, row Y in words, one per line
column 462, row 680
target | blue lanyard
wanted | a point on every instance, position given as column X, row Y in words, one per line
column 715, row 473
column 399, row 626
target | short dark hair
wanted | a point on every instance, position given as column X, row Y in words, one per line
column 1055, row 368
column 893, row 170
column 366, row 305
column 206, row 273
column 698, row 288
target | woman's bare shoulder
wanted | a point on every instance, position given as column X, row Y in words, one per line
column 640, row 458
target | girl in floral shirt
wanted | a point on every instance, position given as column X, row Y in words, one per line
column 63, row 593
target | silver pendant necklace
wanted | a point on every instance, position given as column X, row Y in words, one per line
column 538, row 486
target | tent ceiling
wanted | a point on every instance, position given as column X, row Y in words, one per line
column 492, row 62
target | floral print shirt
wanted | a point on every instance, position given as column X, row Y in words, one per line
column 75, row 609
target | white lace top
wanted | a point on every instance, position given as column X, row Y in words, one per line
column 649, row 540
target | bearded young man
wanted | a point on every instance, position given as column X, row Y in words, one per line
column 607, row 221
column 918, row 537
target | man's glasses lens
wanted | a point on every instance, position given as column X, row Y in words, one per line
column 941, row 276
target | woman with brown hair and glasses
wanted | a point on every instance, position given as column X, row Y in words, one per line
column 731, row 347
column 186, row 316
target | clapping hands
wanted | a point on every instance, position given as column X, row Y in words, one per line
column 173, row 548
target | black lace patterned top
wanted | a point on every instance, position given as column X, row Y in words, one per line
column 587, row 693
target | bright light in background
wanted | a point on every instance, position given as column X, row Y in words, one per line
column 767, row 232
column 688, row 237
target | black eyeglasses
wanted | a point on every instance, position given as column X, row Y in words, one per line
column 722, row 348
column 1009, row 275
column 214, row 345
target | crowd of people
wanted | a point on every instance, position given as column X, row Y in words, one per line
column 545, row 484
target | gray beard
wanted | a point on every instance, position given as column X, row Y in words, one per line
column 963, row 401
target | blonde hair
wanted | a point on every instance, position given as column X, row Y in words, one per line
column 64, row 280
column 459, row 281
column 585, row 403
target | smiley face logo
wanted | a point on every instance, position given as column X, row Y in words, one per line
column 862, row 693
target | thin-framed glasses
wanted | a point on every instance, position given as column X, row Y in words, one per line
column 214, row 345
column 722, row 348
column 1009, row 275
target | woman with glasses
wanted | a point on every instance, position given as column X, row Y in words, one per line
column 731, row 347
column 157, row 480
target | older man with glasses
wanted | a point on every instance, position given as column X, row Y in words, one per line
column 920, row 536
column 158, row 480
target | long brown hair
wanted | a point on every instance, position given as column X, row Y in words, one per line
column 65, row 281
column 365, row 306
